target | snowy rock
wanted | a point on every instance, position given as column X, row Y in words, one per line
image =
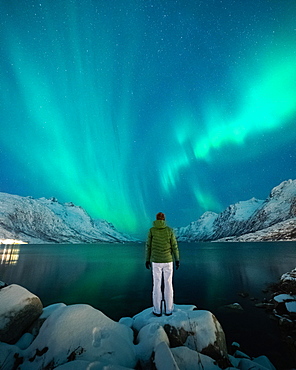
column 75, row 365
column 196, row 329
column 164, row 359
column 80, row 332
column 234, row 306
column 286, row 303
column 146, row 317
column 79, row 337
column 148, row 339
column 289, row 276
column 25, row 341
column 240, row 354
column 188, row 359
column 264, row 361
column 18, row 310
column 86, row 365
column 47, row 311
column 246, row 364
column 291, row 306
column 234, row 361
column 2, row 284
column 48, row 221
column 283, row 298
column 128, row 321
column 10, row 356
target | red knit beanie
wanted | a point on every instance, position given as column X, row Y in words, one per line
column 160, row 216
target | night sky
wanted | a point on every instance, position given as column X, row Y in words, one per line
column 131, row 107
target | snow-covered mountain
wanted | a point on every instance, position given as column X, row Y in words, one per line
column 48, row 221
column 252, row 220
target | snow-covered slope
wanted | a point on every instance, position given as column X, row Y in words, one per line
column 278, row 207
column 202, row 229
column 48, row 221
column 274, row 215
column 282, row 231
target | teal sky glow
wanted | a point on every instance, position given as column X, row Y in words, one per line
column 127, row 108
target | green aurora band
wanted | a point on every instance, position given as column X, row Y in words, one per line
column 141, row 106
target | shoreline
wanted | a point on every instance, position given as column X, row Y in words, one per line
column 151, row 340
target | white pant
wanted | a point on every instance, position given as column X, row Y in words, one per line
column 164, row 270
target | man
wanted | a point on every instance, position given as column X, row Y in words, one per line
column 161, row 250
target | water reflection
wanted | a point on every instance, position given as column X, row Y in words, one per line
column 9, row 254
column 211, row 274
column 113, row 279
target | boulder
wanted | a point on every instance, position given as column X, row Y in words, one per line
column 80, row 337
column 164, row 359
column 85, row 365
column 291, row 307
column 10, row 356
column 198, row 330
column 245, row 364
column 18, row 310
column 189, row 359
column 264, row 361
column 47, row 311
column 80, row 333
column 234, row 306
column 148, row 339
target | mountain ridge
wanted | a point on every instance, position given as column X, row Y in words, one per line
column 44, row 220
column 253, row 220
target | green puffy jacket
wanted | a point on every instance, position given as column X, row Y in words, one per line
column 161, row 245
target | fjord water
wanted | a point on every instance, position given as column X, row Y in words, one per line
column 113, row 279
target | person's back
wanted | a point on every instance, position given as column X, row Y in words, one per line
column 161, row 249
column 162, row 244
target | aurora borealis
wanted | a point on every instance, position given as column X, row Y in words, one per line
column 130, row 107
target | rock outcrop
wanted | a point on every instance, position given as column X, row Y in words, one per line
column 81, row 337
column 18, row 310
column 198, row 330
